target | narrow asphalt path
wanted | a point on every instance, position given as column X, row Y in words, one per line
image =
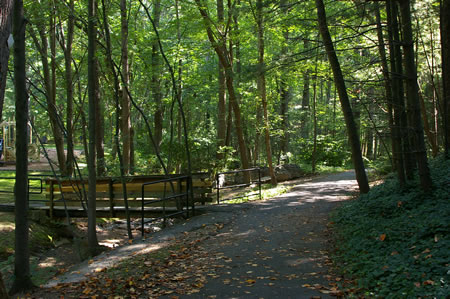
column 277, row 248
column 262, row 249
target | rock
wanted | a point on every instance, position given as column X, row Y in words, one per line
column 287, row 172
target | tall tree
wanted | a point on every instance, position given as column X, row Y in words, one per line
column 412, row 95
column 67, row 45
column 5, row 31
column 352, row 131
column 262, row 87
column 126, row 105
column 445, row 50
column 93, row 102
column 156, row 77
column 224, row 57
column 285, row 92
column 22, row 278
column 221, row 107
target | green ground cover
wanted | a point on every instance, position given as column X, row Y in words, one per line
column 395, row 243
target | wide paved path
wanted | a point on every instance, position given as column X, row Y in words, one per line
column 277, row 248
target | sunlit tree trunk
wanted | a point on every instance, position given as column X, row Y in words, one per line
column 5, row 31
column 22, row 279
column 262, row 87
column 156, row 78
column 224, row 57
column 126, row 106
column 352, row 131
column 93, row 102
column 221, row 108
column 67, row 48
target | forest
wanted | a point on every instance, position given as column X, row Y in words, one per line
column 157, row 87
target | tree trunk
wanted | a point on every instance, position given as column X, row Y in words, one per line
column 58, row 126
column 222, row 108
column 387, row 87
column 412, row 92
column 69, row 89
column 445, row 51
column 93, row 102
column 126, row 106
column 262, row 87
column 22, row 279
column 156, row 78
column 224, row 59
column 352, row 132
column 5, row 31
column 100, row 130
column 305, row 99
column 285, row 93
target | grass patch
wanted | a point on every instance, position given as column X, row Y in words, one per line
column 267, row 191
column 395, row 243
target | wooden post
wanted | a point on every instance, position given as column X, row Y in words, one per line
column 52, row 197
column 111, row 198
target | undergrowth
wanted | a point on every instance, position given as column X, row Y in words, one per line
column 395, row 243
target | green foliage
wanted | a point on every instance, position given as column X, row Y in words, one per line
column 330, row 151
column 394, row 242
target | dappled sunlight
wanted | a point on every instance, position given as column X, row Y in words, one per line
column 48, row 262
column 111, row 243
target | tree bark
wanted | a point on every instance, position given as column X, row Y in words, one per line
column 398, row 109
column 305, row 99
column 352, row 132
column 22, row 279
column 224, row 60
column 285, row 93
column 221, row 108
column 156, row 78
column 413, row 101
column 387, row 87
column 126, row 106
column 93, row 102
column 67, row 48
column 262, row 88
column 445, row 51
column 5, row 31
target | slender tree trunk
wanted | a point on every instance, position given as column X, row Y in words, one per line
column 388, row 88
column 93, row 102
column 412, row 92
column 398, row 109
column 100, row 130
column 352, row 131
column 305, row 98
column 285, row 93
column 222, row 108
column 126, row 106
column 58, row 130
column 69, row 89
column 262, row 87
column 117, row 117
column 224, row 59
column 22, row 279
column 156, row 78
column 5, row 31
column 445, row 51
column 314, row 116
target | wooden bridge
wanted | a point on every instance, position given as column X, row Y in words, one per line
column 158, row 192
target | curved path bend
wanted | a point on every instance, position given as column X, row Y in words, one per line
column 262, row 249
column 277, row 248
